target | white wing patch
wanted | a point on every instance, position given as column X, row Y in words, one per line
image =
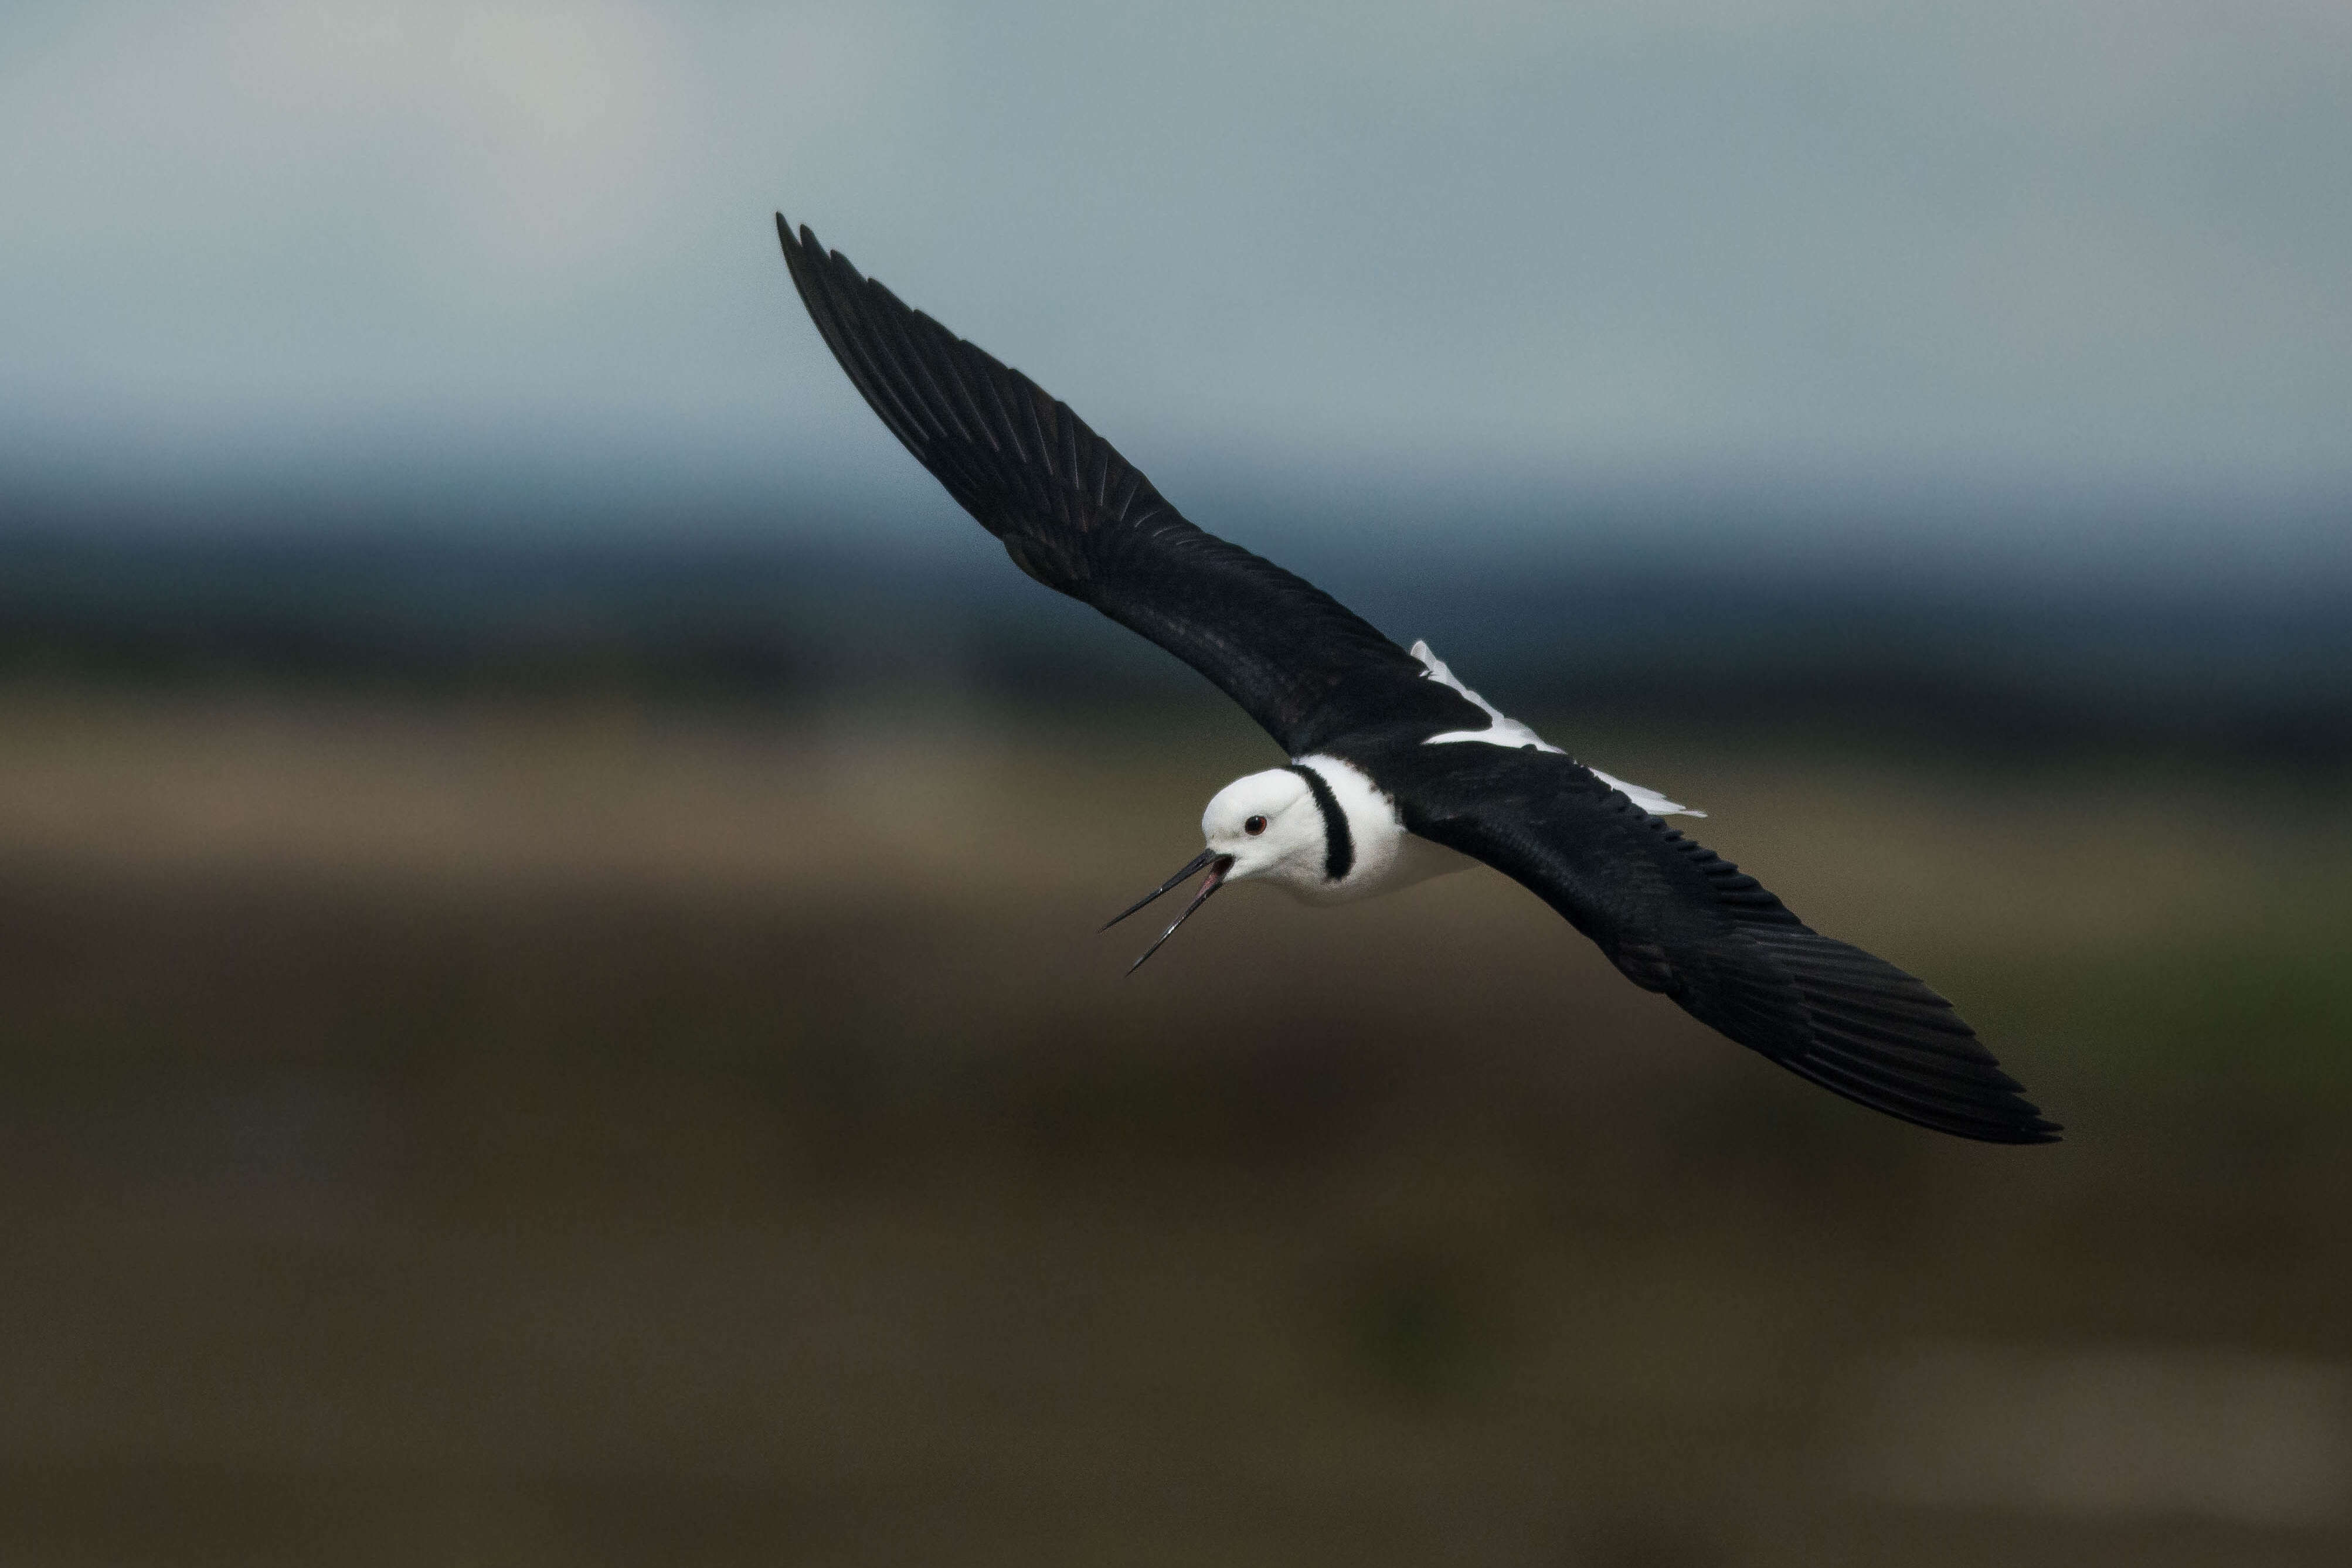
column 1650, row 801
column 1510, row 733
column 1499, row 730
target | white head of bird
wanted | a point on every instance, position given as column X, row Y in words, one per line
column 1267, row 826
column 1319, row 830
column 1263, row 826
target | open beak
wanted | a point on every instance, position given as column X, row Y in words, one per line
column 1217, row 865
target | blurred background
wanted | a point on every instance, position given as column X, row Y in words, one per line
column 548, row 876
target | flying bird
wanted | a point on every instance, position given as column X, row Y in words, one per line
column 1398, row 771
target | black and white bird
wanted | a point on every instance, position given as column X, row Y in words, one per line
column 1399, row 771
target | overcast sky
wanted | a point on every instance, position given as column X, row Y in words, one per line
column 2100, row 248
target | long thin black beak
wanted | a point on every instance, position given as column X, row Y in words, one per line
column 1196, row 863
column 1217, row 865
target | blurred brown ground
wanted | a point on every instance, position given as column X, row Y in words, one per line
column 492, row 1133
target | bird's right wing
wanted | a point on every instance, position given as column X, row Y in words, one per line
column 1079, row 518
column 1677, row 918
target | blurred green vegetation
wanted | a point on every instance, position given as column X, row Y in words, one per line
column 594, row 1130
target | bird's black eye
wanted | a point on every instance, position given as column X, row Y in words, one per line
column 1255, row 826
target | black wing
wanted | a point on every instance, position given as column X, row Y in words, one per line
column 1076, row 517
column 1675, row 918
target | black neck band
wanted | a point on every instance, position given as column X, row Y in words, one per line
column 1338, row 844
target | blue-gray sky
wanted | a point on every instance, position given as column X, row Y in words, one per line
column 2098, row 249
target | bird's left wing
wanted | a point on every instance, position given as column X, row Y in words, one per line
column 1677, row 918
column 1079, row 518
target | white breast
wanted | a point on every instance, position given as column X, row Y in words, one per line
column 1387, row 857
